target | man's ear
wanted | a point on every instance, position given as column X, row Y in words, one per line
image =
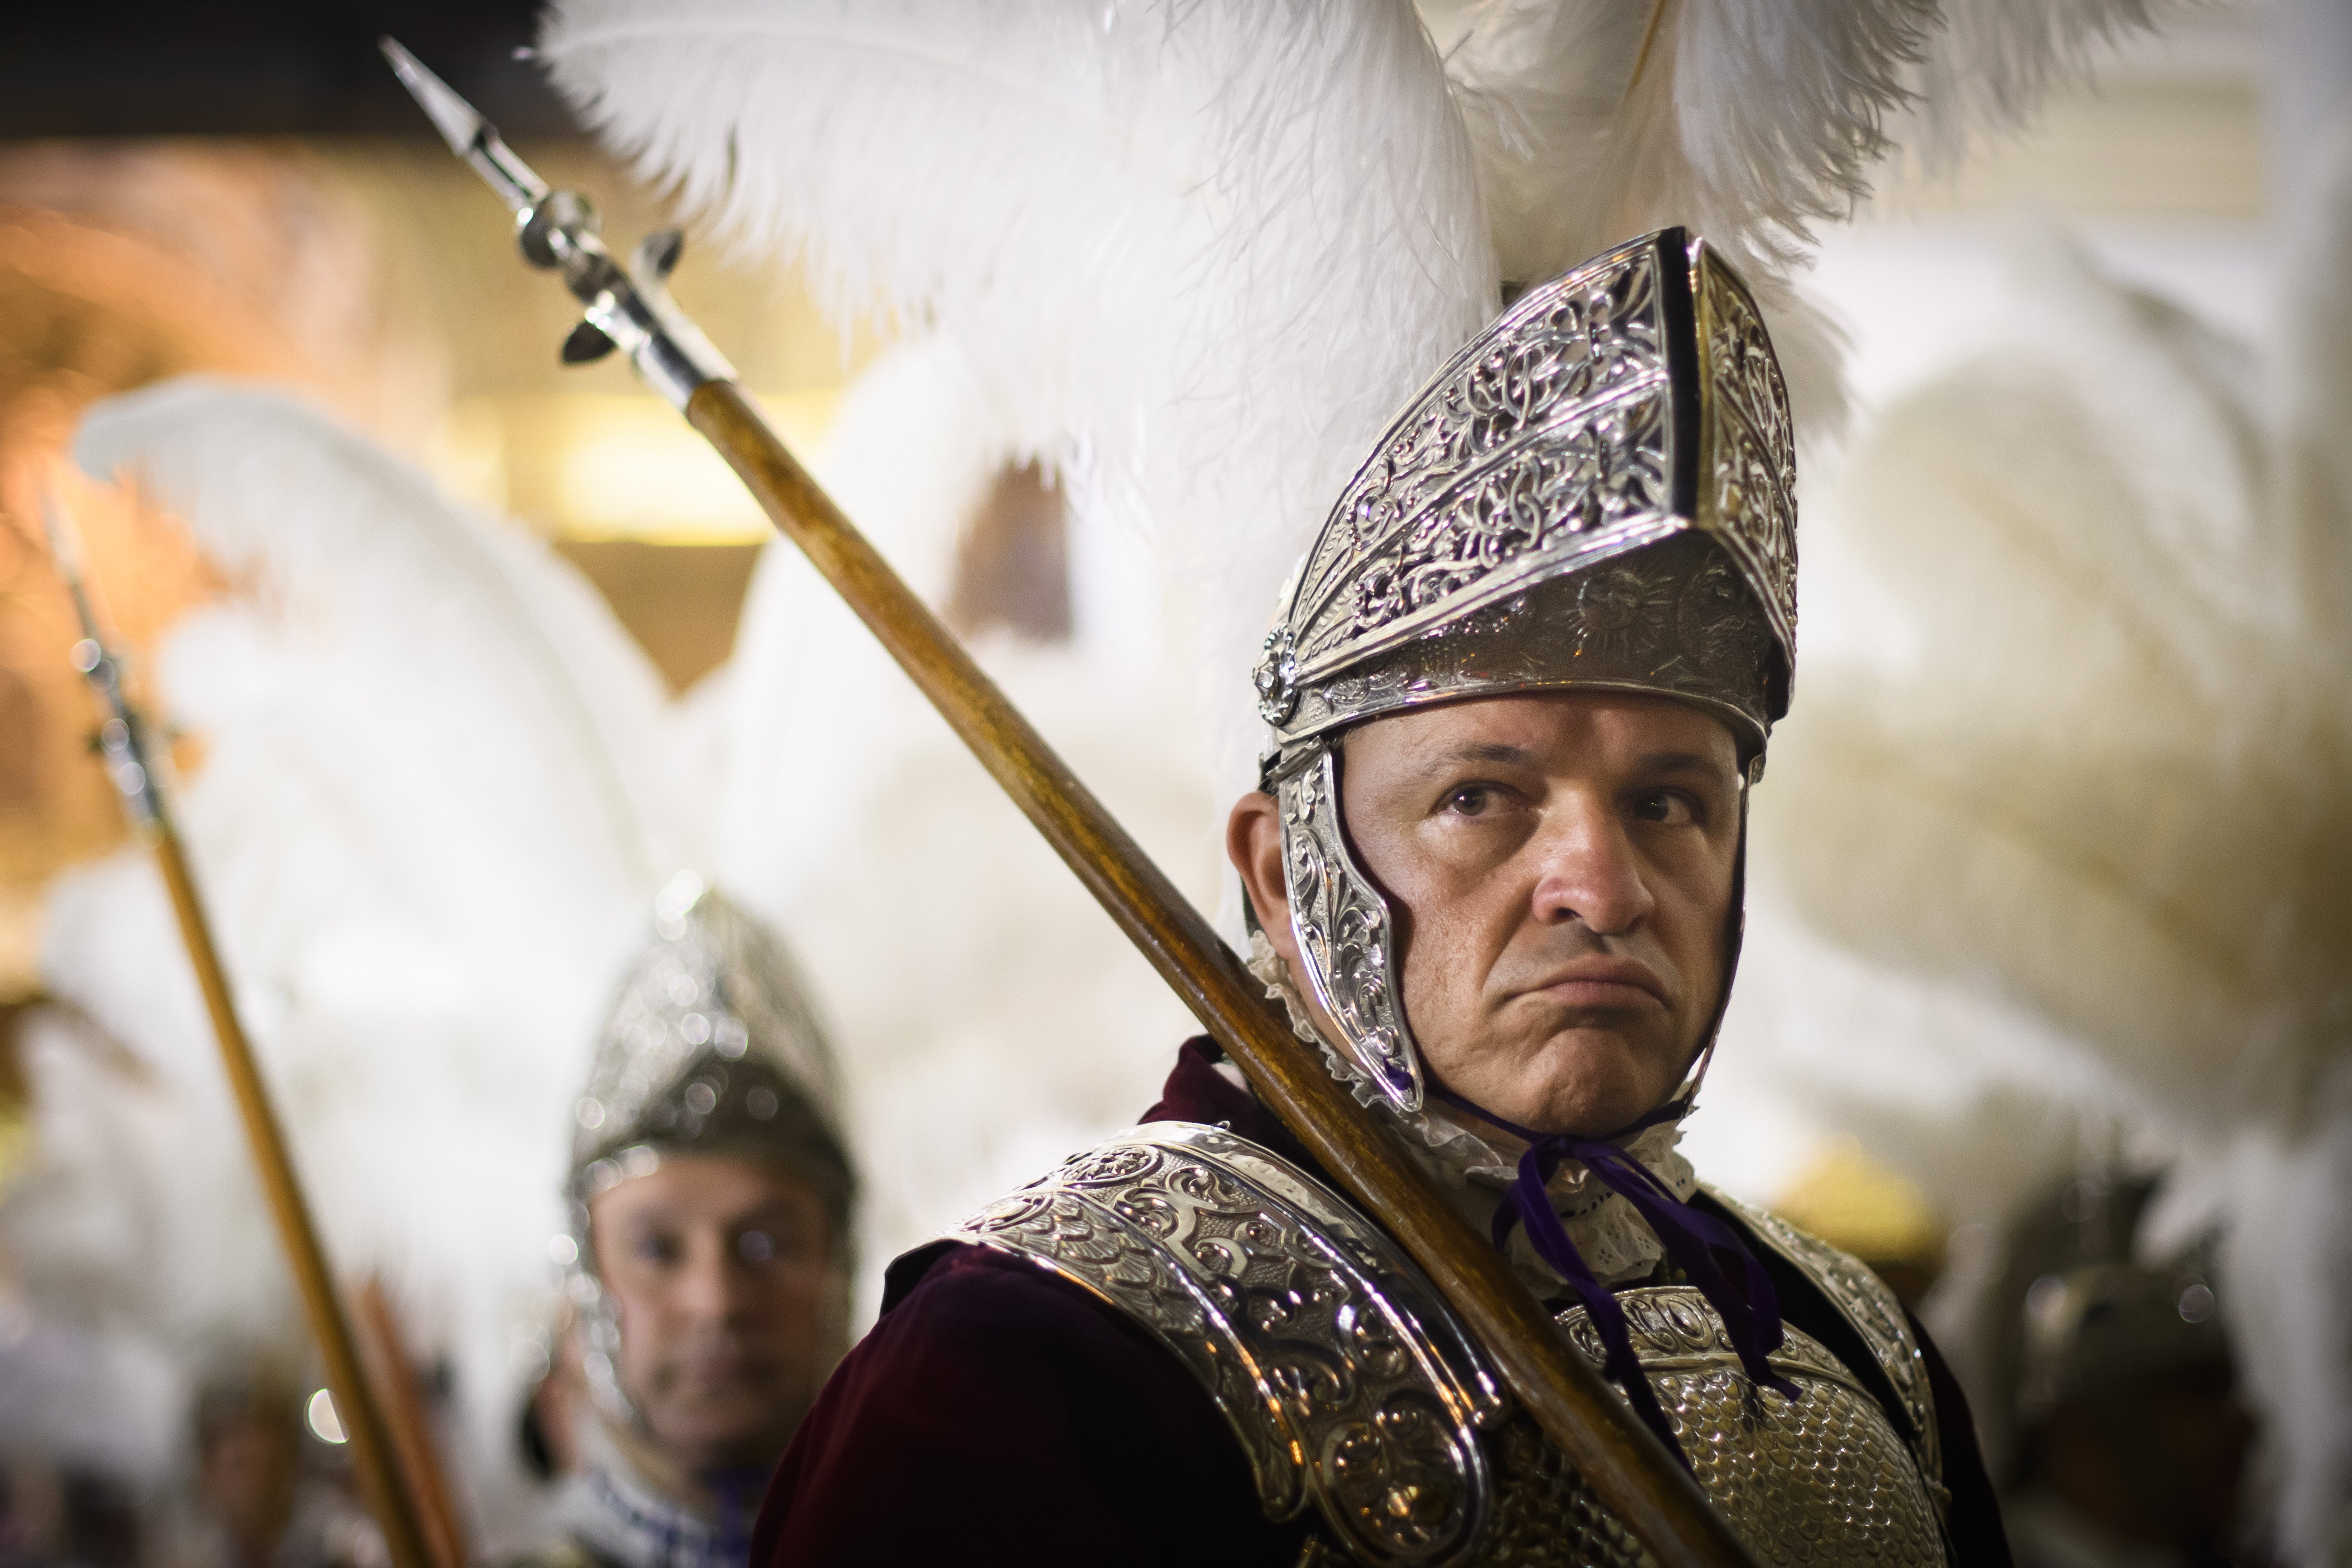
column 1253, row 844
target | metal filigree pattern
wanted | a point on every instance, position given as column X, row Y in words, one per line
column 1346, row 931
column 1344, row 1381
column 713, row 995
column 1864, row 1301
column 1348, row 1384
column 1822, row 1480
column 1676, row 618
column 1750, row 455
column 1633, row 399
column 1552, row 424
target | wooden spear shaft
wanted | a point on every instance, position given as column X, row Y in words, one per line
column 384, row 1348
column 355, row 1404
column 1635, row 1475
column 132, row 772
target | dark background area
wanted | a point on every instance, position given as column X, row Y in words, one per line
column 258, row 68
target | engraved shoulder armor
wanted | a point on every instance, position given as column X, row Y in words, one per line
column 1351, row 1387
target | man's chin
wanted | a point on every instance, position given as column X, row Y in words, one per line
column 1592, row 1083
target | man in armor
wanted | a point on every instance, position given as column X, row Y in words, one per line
column 2127, row 1443
column 1518, row 691
column 710, row 1250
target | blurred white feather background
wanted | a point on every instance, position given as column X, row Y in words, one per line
column 1192, row 256
column 2094, row 800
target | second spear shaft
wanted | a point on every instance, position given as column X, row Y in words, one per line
column 355, row 1404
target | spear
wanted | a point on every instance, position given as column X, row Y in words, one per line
column 131, row 765
column 629, row 308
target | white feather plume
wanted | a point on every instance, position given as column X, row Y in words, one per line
column 1749, row 122
column 2105, row 782
column 1195, row 255
column 428, row 825
column 857, row 821
column 1993, row 63
column 1746, row 120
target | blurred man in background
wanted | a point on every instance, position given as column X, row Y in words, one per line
column 2130, row 1443
column 711, row 1251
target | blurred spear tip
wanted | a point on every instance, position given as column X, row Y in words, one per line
column 470, row 136
column 451, row 115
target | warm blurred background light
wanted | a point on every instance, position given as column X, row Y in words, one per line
column 244, row 190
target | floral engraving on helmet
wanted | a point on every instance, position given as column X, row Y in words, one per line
column 1676, row 618
column 1752, row 448
column 1555, row 429
column 1611, row 470
column 1276, row 677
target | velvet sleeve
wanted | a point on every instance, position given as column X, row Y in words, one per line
column 1979, row 1538
column 999, row 1413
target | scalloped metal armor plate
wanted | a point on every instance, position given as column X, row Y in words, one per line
column 1351, row 1387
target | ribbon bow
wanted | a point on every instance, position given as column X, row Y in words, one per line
column 1699, row 1244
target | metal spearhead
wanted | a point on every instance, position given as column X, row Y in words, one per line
column 470, row 136
column 627, row 307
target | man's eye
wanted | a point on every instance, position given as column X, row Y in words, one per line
column 755, row 1246
column 661, row 1249
column 1663, row 806
column 1470, row 800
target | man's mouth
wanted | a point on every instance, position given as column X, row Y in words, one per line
column 1601, row 982
column 718, row 1371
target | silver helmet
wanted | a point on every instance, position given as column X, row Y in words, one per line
column 710, row 1048
column 1598, row 492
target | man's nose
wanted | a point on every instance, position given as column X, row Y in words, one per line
column 709, row 1285
column 1588, row 869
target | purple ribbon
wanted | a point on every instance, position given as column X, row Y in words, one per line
column 1697, row 1242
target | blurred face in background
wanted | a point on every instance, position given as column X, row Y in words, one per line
column 722, row 1270
column 246, row 1469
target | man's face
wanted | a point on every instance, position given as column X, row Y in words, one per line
column 246, row 1473
column 1561, row 865
column 722, row 1272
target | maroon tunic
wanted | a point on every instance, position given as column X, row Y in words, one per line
column 999, row 1413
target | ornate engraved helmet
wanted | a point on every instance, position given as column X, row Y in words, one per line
column 710, row 1048
column 1598, row 492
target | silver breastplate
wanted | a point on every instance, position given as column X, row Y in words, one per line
column 1351, row 1387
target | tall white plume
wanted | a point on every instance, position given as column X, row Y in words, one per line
column 428, row 823
column 2104, row 781
column 992, row 1019
column 1195, row 255
column 1750, row 121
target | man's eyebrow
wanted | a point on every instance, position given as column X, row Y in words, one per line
column 1680, row 763
column 1495, row 752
